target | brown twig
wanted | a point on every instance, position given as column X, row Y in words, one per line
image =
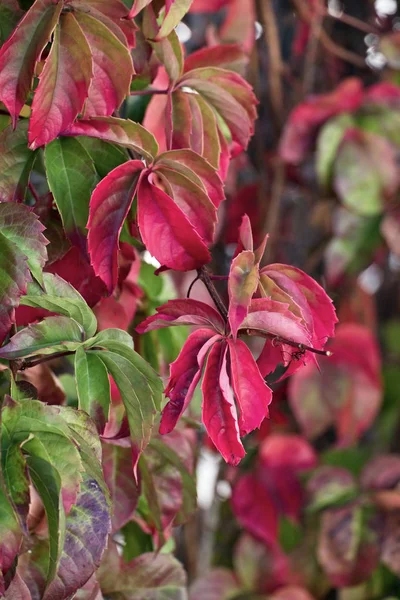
column 280, row 340
column 27, row 364
column 204, row 276
column 266, row 15
column 351, row 57
column 351, row 21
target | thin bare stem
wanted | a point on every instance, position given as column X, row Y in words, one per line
column 351, row 57
column 204, row 276
column 28, row 364
column 281, row 340
column 351, row 21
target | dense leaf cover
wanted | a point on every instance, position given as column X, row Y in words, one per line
column 122, row 148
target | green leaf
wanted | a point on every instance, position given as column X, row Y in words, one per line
column 93, row 386
column 53, row 334
column 22, row 249
column 105, row 156
column 10, row 14
column 59, row 296
column 103, row 338
column 72, row 178
column 169, row 53
column 10, row 533
column 136, row 541
column 329, row 140
column 140, row 388
column 118, row 131
column 173, row 15
column 16, row 161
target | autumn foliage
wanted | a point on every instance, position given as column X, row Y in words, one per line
column 192, row 234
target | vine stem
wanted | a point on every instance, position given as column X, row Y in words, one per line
column 281, row 340
column 204, row 276
column 27, row 364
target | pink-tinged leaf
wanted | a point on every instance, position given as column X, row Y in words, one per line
column 120, row 479
column 22, row 50
column 63, row 83
column 242, row 284
column 390, row 542
column 330, row 486
column 259, row 567
column 383, row 92
column 381, row 477
column 185, row 374
column 178, row 128
column 287, row 452
column 246, row 234
column 200, row 6
column 292, row 593
column 112, row 68
column 190, row 196
column 252, row 394
column 347, row 548
column 117, row 131
column 230, row 96
column 146, row 577
column 109, row 206
column 218, row 584
column 365, row 176
column 315, row 305
column 16, row 161
column 17, row 590
column 306, row 118
column 197, row 169
column 206, row 138
column 226, row 56
column 114, row 15
column 183, row 312
column 169, row 53
column 166, row 232
column 254, row 508
column 175, row 10
column 275, row 319
column 347, row 393
column 137, row 6
column 22, row 251
column 239, row 25
column 219, row 411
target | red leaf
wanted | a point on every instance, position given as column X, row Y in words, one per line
column 252, row 394
column 64, row 83
column 315, row 305
column 230, row 95
column 224, row 56
column 287, row 452
column 114, row 15
column 112, row 68
column 186, row 161
column 185, row 374
column 208, row 5
column 20, row 52
column 167, row 232
column 117, row 131
column 183, row 312
column 292, row 593
column 189, row 195
column 109, row 206
column 306, row 118
column 254, row 508
column 275, row 319
column 219, row 411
